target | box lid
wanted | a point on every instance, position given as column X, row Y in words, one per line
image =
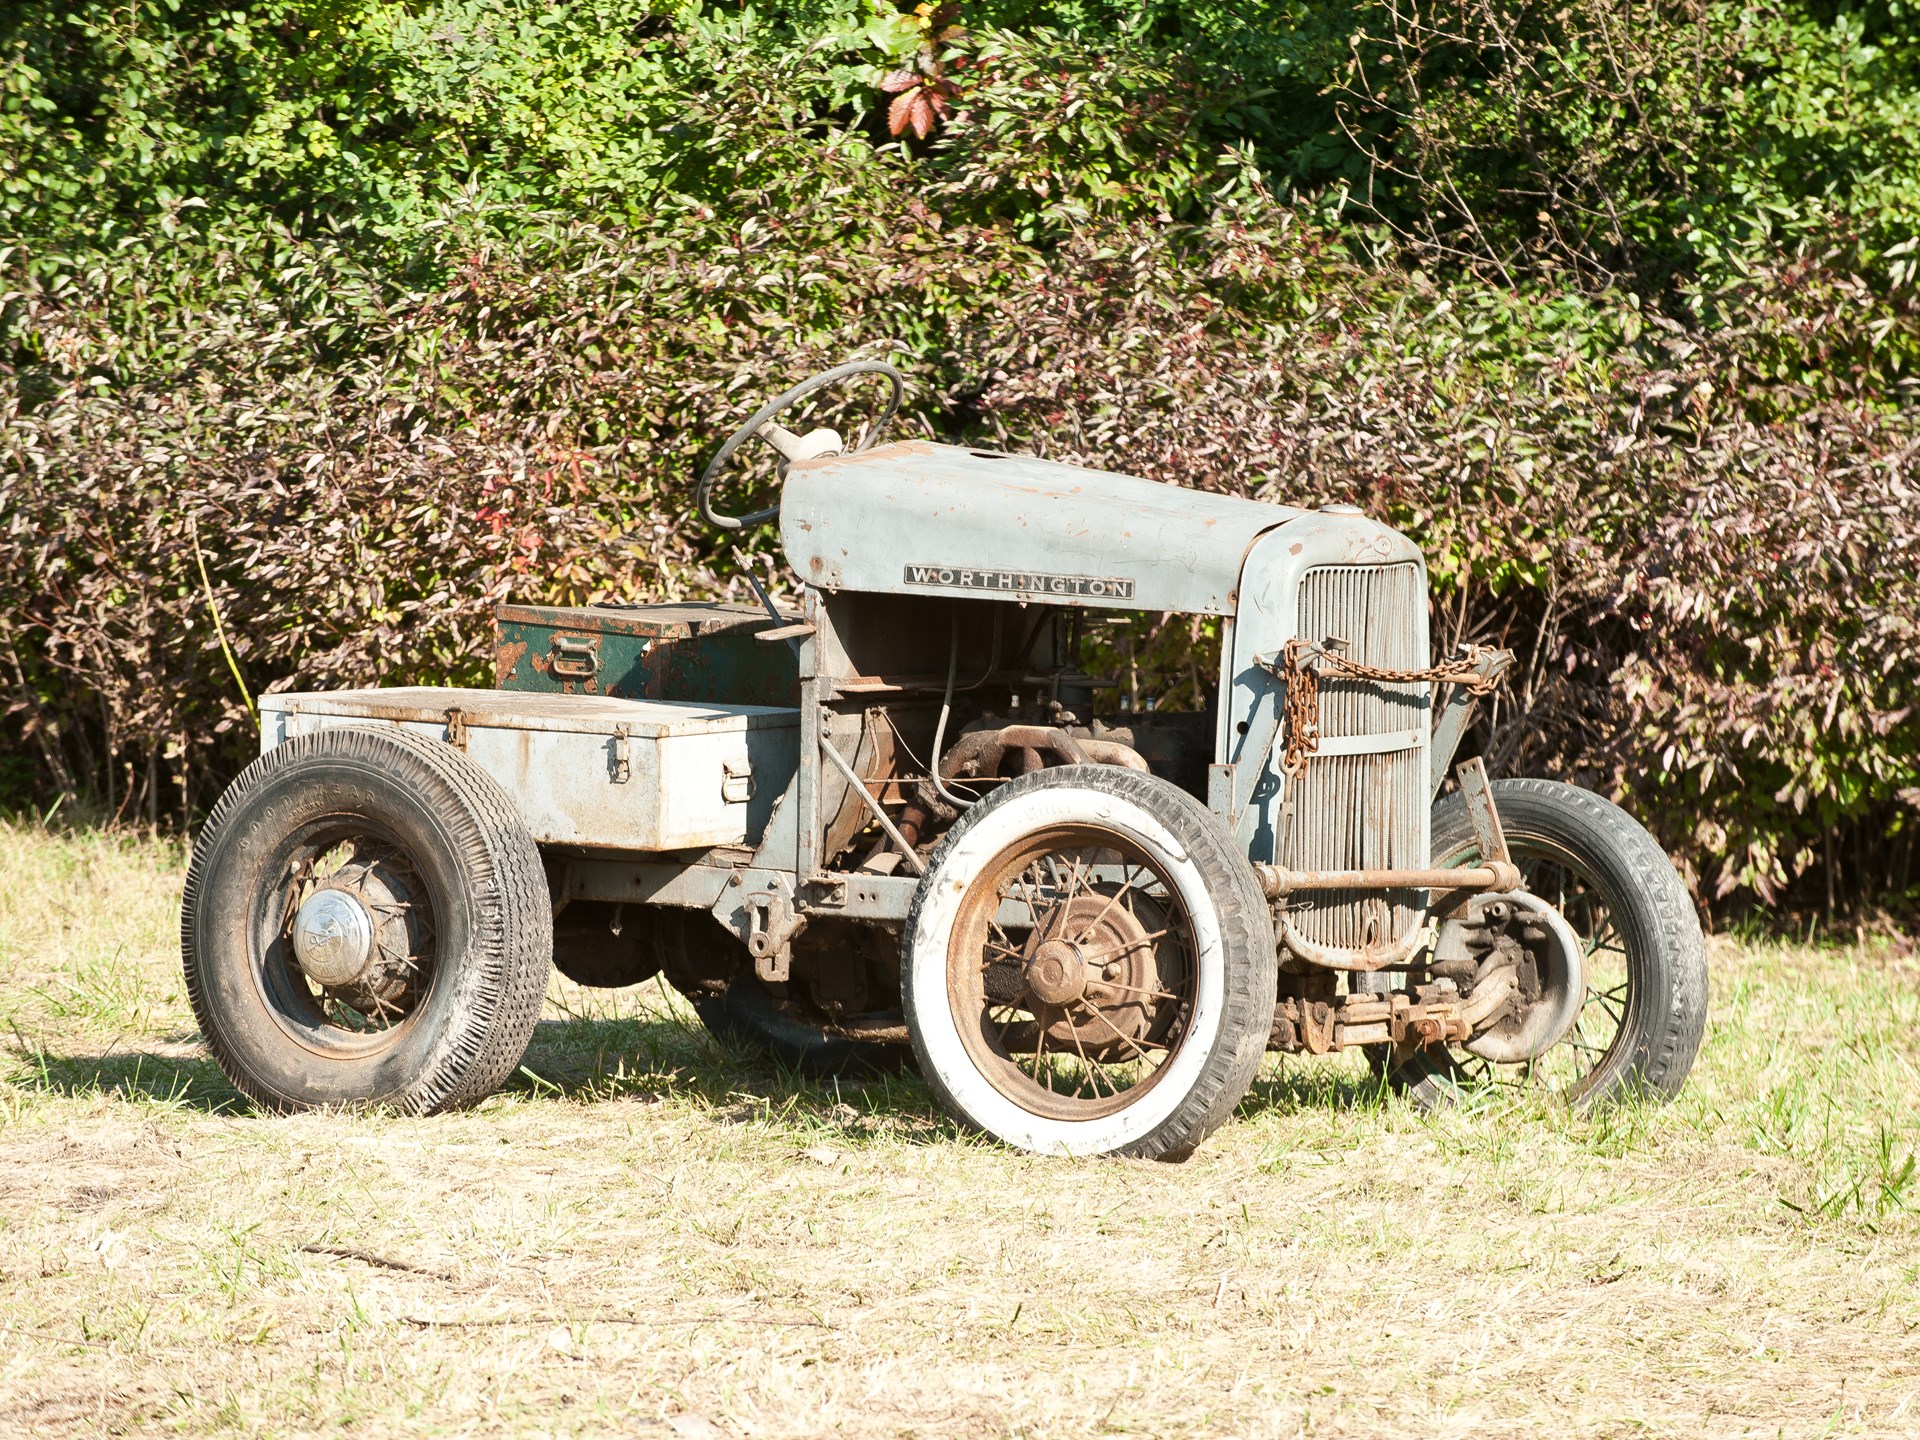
column 681, row 621
column 531, row 710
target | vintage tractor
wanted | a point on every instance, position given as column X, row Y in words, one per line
column 900, row 820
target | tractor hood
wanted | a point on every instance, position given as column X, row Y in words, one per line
column 918, row 518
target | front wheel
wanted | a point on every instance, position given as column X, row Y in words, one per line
column 1645, row 1007
column 1088, row 967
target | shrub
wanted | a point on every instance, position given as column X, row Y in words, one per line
column 381, row 313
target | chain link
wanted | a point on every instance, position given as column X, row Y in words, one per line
column 1300, row 666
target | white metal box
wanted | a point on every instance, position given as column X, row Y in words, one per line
column 587, row 770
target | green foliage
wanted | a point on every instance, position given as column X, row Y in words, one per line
column 1639, row 143
column 365, row 113
column 411, row 306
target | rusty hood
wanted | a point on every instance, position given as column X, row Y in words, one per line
column 919, row 518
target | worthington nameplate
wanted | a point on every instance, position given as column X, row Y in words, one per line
column 1020, row 582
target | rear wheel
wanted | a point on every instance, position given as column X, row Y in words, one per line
column 1088, row 966
column 1645, row 1007
column 365, row 923
column 608, row 947
column 709, row 965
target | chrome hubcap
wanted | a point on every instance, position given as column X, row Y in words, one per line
column 333, row 938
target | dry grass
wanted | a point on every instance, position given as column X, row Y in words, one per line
column 643, row 1238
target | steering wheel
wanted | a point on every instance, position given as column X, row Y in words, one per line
column 704, row 494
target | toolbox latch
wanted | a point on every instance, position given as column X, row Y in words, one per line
column 736, row 785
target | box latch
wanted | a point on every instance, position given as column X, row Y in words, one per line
column 736, row 784
column 619, row 756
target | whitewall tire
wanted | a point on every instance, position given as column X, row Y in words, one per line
column 1089, row 966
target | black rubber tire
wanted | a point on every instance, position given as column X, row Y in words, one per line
column 1239, row 911
column 744, row 1019
column 489, row 896
column 588, row 952
column 1666, row 962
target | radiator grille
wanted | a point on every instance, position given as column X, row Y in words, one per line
column 1363, row 811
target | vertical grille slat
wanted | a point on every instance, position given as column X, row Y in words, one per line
column 1363, row 811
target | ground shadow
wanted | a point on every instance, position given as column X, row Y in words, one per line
column 1288, row 1085
column 584, row 1060
column 592, row 1059
column 575, row 1060
column 189, row 1082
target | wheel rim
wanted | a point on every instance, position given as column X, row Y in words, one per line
column 1571, row 1068
column 1071, row 972
column 358, row 1003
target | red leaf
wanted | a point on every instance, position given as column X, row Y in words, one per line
column 921, row 113
column 900, row 112
column 899, row 80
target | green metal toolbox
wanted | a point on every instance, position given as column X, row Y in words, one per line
column 698, row 651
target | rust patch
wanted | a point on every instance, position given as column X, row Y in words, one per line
column 506, row 659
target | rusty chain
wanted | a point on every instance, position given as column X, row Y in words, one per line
column 1300, row 666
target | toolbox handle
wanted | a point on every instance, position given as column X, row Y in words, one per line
column 574, row 657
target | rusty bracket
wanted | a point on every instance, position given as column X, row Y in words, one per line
column 456, row 727
column 1482, row 814
column 827, row 892
column 1316, row 1021
column 1347, row 1021
column 772, row 927
column 1461, row 706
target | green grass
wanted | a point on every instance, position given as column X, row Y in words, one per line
column 641, row 1236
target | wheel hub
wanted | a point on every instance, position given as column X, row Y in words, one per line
column 1057, row 973
column 333, row 937
column 1096, row 975
column 364, row 939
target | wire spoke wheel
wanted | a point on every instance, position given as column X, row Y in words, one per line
column 353, row 896
column 1088, row 966
column 1581, row 899
column 1643, row 1003
column 1072, row 969
column 1583, row 904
